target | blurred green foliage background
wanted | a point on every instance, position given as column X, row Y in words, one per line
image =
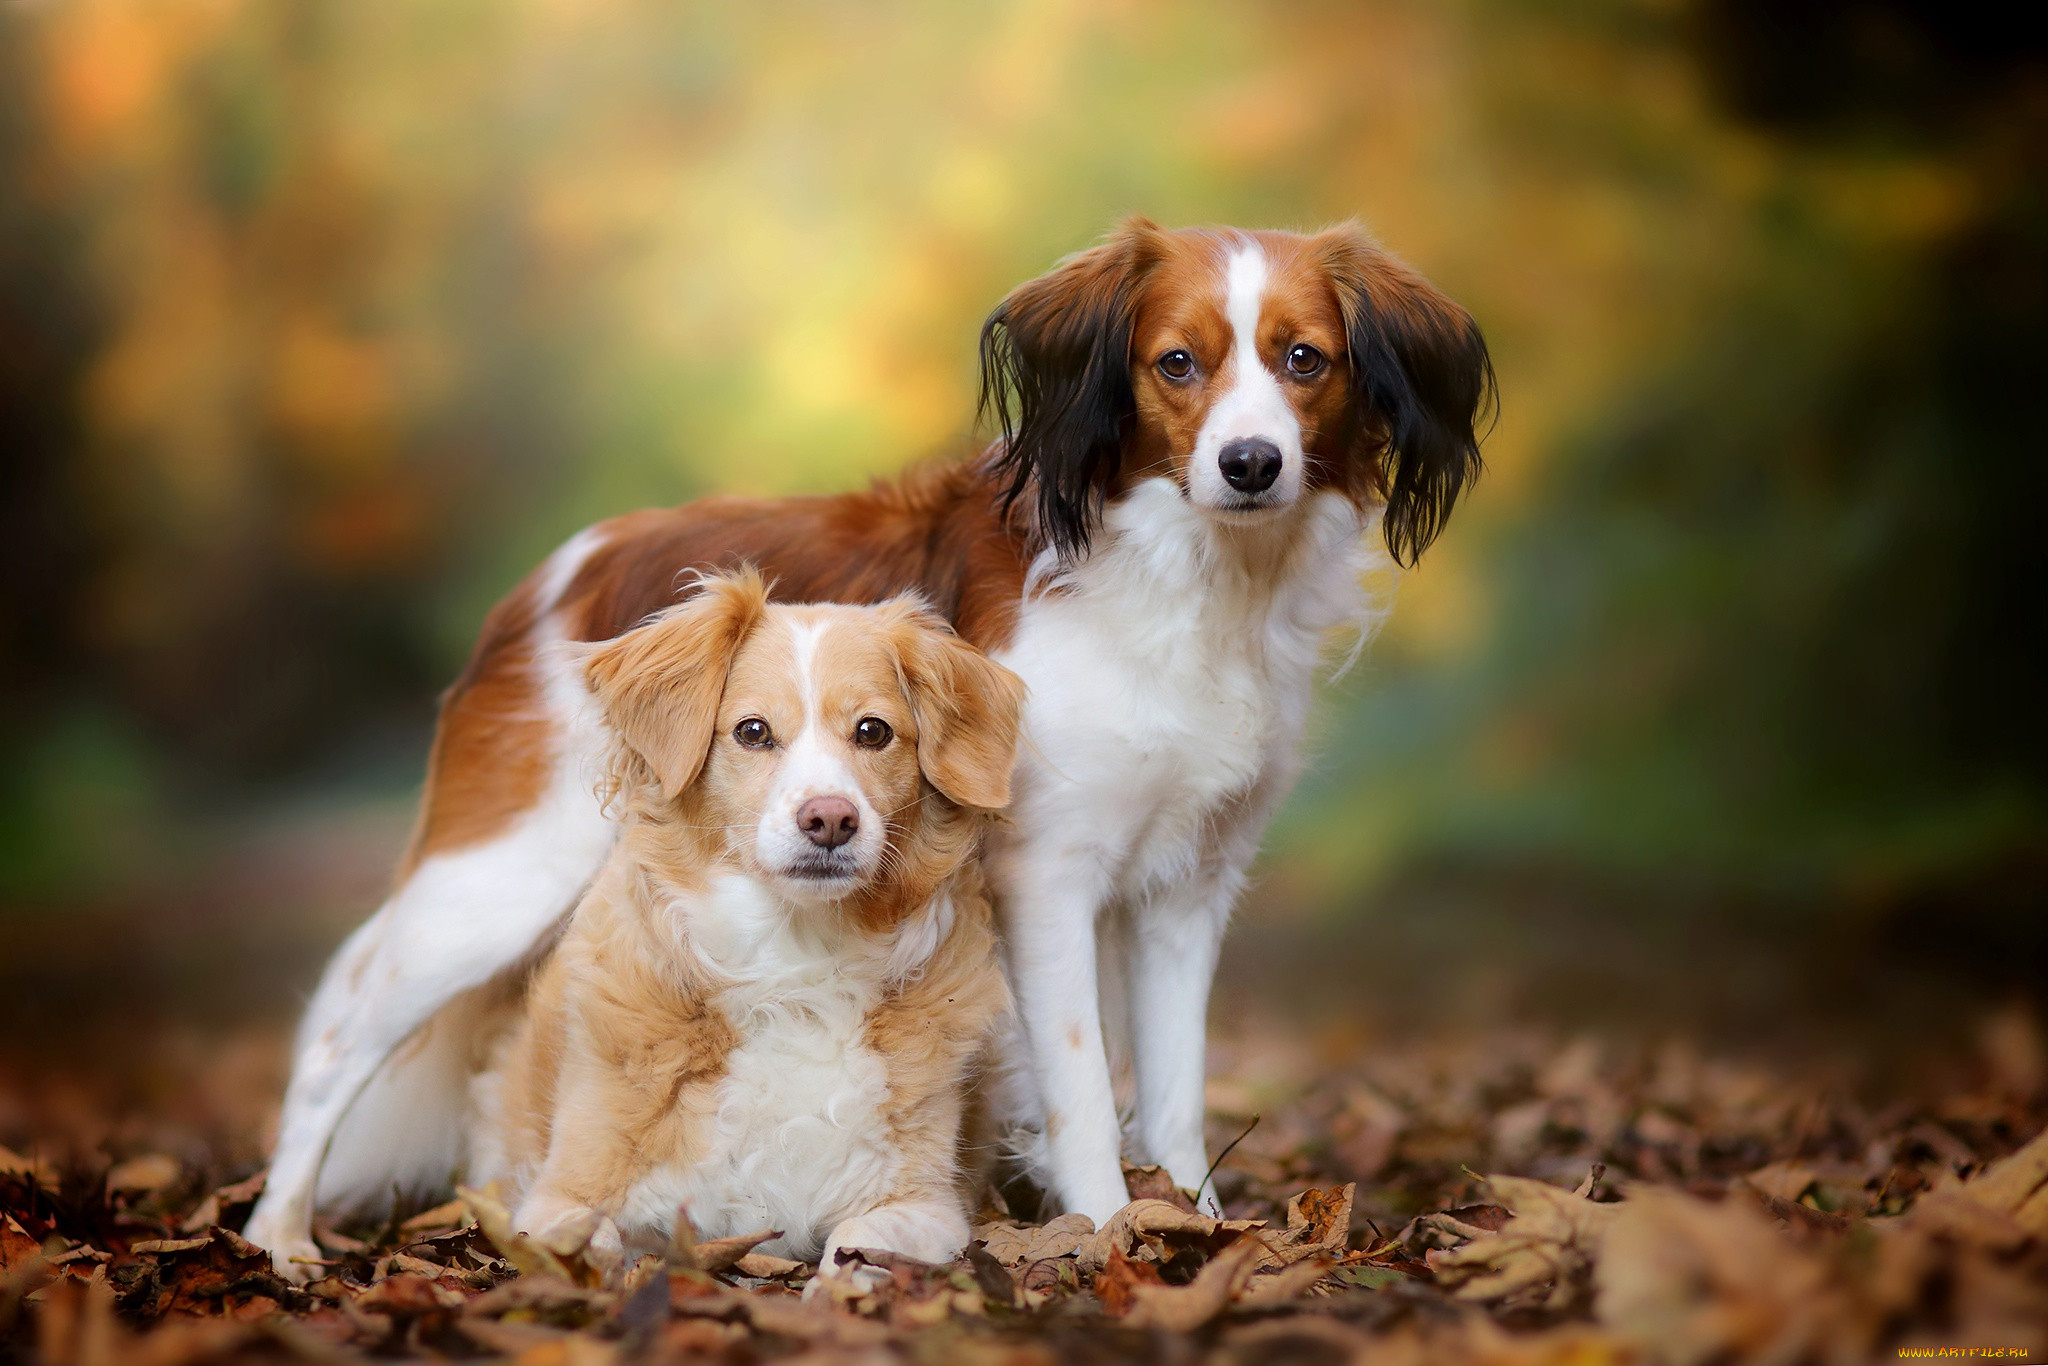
column 320, row 322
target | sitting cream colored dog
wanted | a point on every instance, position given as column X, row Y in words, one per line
column 766, row 1008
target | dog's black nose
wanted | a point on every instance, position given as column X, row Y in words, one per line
column 828, row 822
column 1250, row 466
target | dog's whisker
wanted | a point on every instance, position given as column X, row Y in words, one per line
column 914, row 801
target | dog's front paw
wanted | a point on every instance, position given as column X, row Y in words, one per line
column 920, row 1230
column 295, row 1256
column 289, row 1244
column 581, row 1231
column 850, row 1279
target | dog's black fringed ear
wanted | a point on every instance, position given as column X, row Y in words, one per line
column 1422, row 383
column 1056, row 382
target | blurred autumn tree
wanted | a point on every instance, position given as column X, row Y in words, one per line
column 319, row 323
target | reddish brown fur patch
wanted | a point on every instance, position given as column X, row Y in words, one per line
column 1180, row 306
column 1301, row 305
column 938, row 531
column 495, row 746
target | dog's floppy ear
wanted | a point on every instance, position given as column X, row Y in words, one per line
column 1056, row 379
column 660, row 683
column 1421, row 380
column 968, row 708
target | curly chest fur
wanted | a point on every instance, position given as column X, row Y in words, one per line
column 843, row 1073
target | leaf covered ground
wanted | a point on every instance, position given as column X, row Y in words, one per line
column 1508, row 1197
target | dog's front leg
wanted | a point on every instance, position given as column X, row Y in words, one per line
column 1049, row 908
column 1174, row 943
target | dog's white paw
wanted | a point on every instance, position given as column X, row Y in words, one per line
column 583, row 1231
column 288, row 1240
column 924, row 1231
column 850, row 1280
column 607, row 1247
column 297, row 1258
column 928, row 1231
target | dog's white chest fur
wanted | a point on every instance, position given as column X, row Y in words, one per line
column 798, row 1140
column 1169, row 680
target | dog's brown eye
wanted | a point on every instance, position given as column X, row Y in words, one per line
column 753, row 733
column 1176, row 365
column 872, row 732
column 1304, row 360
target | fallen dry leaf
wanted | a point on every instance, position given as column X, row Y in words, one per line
column 1019, row 1245
column 42, row 1172
column 1318, row 1224
column 143, row 1175
column 1117, row 1283
column 1545, row 1251
column 216, row 1273
column 1278, row 1287
column 218, row 1204
column 559, row 1258
column 2016, row 1185
column 1687, row 1282
column 1152, row 1229
column 1950, row 1215
column 766, row 1267
column 409, row 1294
column 16, row 1246
column 722, row 1254
column 1153, row 1183
column 1184, row 1308
column 453, row 1214
column 538, row 1297
column 1785, row 1181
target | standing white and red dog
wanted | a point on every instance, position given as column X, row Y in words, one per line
column 1201, row 430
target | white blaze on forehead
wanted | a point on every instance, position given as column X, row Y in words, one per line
column 809, row 767
column 804, row 645
column 1251, row 405
column 1244, row 290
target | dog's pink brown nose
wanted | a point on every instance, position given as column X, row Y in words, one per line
column 828, row 822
